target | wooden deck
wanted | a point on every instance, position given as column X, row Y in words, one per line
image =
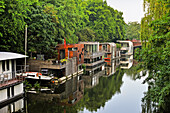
column 9, row 82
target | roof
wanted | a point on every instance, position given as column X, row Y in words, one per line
column 88, row 42
column 10, row 55
column 124, row 41
column 110, row 43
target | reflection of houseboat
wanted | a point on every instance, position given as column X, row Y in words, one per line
column 111, row 69
column 67, row 93
column 11, row 86
column 93, row 58
column 93, row 80
column 16, row 106
column 126, row 62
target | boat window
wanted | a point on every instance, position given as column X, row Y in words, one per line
column 79, row 57
column 74, row 49
column 31, row 75
column 3, row 65
column 105, row 55
column 7, row 64
column 70, row 49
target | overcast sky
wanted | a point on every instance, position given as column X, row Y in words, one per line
column 132, row 9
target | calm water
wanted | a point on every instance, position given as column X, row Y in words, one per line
column 128, row 100
column 118, row 93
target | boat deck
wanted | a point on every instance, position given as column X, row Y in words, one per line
column 9, row 82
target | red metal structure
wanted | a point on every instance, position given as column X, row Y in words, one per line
column 66, row 51
column 136, row 42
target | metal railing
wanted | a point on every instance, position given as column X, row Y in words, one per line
column 58, row 62
column 91, row 54
column 7, row 78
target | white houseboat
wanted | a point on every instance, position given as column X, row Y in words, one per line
column 11, row 87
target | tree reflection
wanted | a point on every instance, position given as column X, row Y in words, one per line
column 97, row 96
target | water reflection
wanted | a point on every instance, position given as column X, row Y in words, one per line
column 66, row 94
column 16, row 106
column 96, row 97
column 126, row 62
column 110, row 67
column 102, row 90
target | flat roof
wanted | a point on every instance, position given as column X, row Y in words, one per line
column 111, row 43
column 10, row 55
column 124, row 41
column 88, row 42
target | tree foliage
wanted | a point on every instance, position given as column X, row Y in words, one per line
column 155, row 55
column 50, row 21
column 132, row 30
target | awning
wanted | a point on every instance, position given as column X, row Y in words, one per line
column 10, row 55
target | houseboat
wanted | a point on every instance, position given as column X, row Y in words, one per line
column 126, row 54
column 68, row 63
column 110, row 51
column 126, row 47
column 93, row 58
column 11, row 86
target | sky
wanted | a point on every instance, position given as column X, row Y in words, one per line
column 132, row 9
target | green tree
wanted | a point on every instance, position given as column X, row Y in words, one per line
column 155, row 55
column 41, row 30
column 132, row 30
column 12, row 24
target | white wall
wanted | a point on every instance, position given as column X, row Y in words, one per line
column 0, row 67
column 3, row 94
column 6, row 71
column 18, row 89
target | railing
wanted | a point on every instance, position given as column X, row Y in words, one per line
column 12, row 77
column 58, row 62
column 92, row 54
column 21, row 68
column 124, row 48
column 4, row 81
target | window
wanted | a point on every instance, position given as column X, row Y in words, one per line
column 113, row 52
column 105, row 47
column 7, row 62
column 3, row 65
column 79, row 57
column 12, row 90
column 105, row 55
column 96, row 48
column 8, row 92
column 74, row 49
column 70, row 49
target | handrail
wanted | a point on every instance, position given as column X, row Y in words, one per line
column 6, row 78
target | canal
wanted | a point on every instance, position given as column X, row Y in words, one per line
column 98, row 93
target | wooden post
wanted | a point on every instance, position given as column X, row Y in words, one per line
column 25, row 46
